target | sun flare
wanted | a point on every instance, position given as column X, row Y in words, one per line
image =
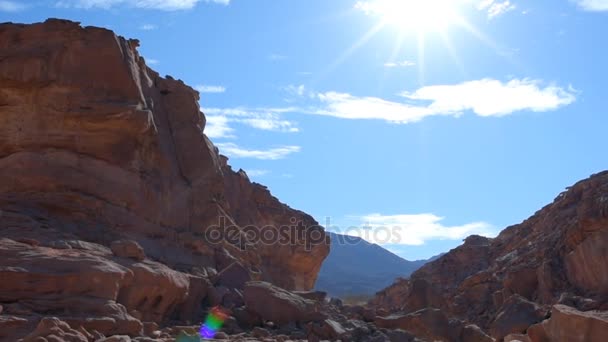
column 417, row 15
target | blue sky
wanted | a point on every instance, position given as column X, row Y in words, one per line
column 431, row 122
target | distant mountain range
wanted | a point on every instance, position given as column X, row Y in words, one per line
column 356, row 267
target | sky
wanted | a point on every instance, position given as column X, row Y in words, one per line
column 411, row 123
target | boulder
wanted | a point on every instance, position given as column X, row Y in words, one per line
column 472, row 333
column 192, row 308
column 515, row 316
column 30, row 272
column 246, row 318
column 516, row 338
column 53, row 329
column 426, row 323
column 259, row 332
column 12, row 326
column 280, row 306
column 327, row 330
column 155, row 290
column 128, row 249
column 399, row 335
column 537, row 332
column 569, row 324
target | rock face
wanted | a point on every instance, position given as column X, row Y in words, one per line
column 508, row 283
column 113, row 202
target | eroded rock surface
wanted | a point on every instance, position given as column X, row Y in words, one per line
column 109, row 193
column 509, row 283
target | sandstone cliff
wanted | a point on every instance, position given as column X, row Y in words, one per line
column 98, row 151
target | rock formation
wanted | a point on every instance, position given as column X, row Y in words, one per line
column 509, row 283
column 116, row 209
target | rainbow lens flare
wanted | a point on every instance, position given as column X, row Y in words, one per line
column 213, row 323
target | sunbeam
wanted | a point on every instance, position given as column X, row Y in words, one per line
column 366, row 37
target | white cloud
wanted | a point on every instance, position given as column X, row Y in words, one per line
column 232, row 150
column 405, row 63
column 267, row 119
column 347, row 106
column 148, row 27
column 485, row 97
column 257, row 173
column 414, row 229
column 210, row 89
column 152, row 61
column 593, row 5
column 488, row 97
column 166, row 5
column 10, row 6
column 270, row 123
column 496, row 8
column 217, row 127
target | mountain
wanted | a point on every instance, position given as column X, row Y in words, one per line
column 554, row 264
column 356, row 267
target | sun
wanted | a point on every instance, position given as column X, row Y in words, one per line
column 416, row 15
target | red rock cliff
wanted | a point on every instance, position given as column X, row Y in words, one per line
column 97, row 147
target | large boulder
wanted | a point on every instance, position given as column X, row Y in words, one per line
column 128, row 249
column 30, row 273
column 155, row 290
column 429, row 324
column 515, row 316
column 569, row 324
column 12, row 326
column 280, row 306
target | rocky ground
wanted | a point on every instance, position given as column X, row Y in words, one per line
column 109, row 193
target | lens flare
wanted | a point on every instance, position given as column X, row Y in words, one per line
column 213, row 323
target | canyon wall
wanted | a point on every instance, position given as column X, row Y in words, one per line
column 107, row 182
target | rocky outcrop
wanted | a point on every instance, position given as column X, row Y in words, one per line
column 95, row 144
column 509, row 283
column 116, row 211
